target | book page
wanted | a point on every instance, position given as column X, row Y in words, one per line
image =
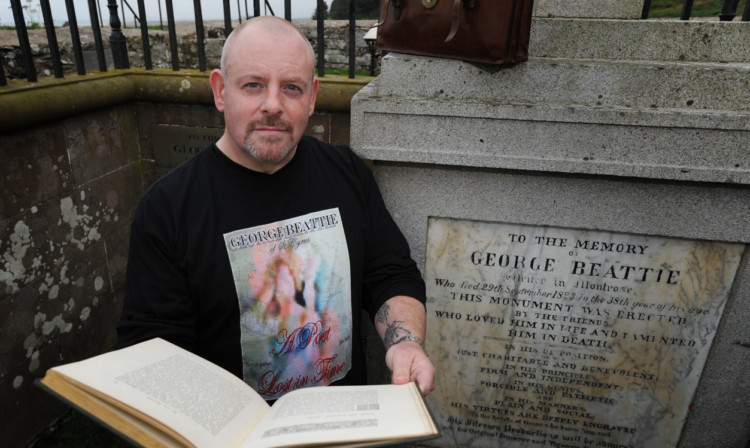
column 206, row 404
column 344, row 414
column 126, row 422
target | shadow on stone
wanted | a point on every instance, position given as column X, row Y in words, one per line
column 75, row 430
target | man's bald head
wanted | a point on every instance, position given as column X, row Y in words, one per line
column 266, row 89
column 269, row 25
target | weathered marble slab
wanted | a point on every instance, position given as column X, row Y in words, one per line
column 175, row 144
column 548, row 336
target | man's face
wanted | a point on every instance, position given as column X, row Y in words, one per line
column 267, row 95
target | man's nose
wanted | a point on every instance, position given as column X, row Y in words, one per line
column 272, row 101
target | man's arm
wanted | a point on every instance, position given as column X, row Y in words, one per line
column 157, row 297
column 400, row 322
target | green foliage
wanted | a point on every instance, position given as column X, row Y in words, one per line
column 325, row 12
column 661, row 9
column 33, row 26
column 363, row 9
column 330, row 71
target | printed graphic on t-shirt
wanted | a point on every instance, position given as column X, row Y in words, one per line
column 293, row 286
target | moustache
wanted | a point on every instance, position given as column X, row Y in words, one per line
column 276, row 123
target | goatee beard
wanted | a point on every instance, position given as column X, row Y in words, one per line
column 264, row 150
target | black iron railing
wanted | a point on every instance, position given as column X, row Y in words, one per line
column 118, row 42
column 727, row 14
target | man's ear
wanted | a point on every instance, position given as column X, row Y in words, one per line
column 217, row 86
column 314, row 95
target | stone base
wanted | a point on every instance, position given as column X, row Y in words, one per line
column 600, row 133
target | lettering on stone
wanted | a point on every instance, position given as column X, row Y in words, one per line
column 175, row 144
column 554, row 337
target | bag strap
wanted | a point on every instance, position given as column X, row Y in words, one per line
column 397, row 4
column 454, row 20
column 387, row 3
column 468, row 5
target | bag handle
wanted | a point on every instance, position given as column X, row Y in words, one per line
column 396, row 11
column 468, row 4
column 454, row 20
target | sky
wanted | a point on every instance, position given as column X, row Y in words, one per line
column 183, row 10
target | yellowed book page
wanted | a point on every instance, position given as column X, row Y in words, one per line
column 344, row 414
column 121, row 421
column 206, row 404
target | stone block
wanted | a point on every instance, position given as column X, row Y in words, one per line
column 100, row 142
column 566, row 115
column 319, row 126
column 640, row 40
column 118, row 244
column 340, row 129
column 65, row 316
column 26, row 250
column 35, row 168
column 600, row 9
column 92, row 212
column 572, row 83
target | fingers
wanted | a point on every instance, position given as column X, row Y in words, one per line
column 426, row 379
column 409, row 362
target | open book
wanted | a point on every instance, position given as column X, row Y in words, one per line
column 157, row 394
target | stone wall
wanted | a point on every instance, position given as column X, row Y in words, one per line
column 336, row 47
column 69, row 189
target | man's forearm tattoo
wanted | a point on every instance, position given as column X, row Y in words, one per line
column 395, row 332
column 382, row 316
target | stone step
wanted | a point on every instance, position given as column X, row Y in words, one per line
column 625, row 98
column 643, row 64
column 588, row 116
column 641, row 40
column 599, row 83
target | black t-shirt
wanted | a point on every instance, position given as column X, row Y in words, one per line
column 180, row 284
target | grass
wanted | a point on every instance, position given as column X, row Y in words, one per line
column 343, row 72
column 33, row 26
column 664, row 9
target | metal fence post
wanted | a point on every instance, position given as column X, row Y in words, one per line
column 321, row 39
column 728, row 10
column 116, row 39
column 23, row 41
column 54, row 50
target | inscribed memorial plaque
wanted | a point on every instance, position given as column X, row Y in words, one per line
column 175, row 144
column 560, row 337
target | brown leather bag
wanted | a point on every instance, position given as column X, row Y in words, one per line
column 492, row 31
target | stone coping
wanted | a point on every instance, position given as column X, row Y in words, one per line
column 26, row 104
column 635, row 119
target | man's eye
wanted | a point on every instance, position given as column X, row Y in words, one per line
column 293, row 88
column 252, row 85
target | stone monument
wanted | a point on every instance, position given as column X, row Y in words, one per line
column 554, row 332
column 581, row 219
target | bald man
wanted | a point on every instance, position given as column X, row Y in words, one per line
column 261, row 251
